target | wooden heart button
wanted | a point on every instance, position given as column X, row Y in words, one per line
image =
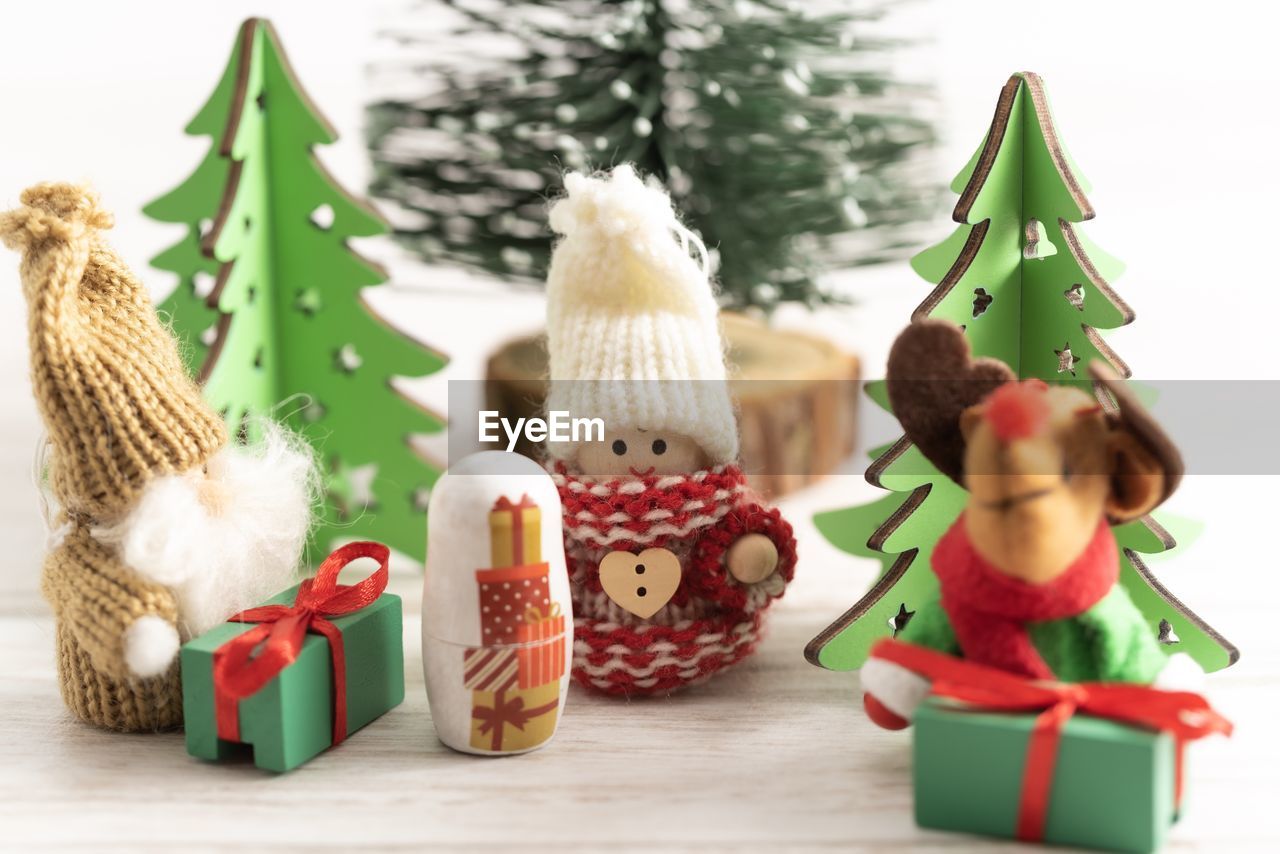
column 640, row 584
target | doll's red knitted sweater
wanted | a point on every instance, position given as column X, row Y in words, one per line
column 712, row 621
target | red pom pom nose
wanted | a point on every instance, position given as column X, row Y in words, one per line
column 1018, row 410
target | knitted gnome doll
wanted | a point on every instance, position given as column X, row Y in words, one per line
column 672, row 559
column 161, row 529
column 1028, row 575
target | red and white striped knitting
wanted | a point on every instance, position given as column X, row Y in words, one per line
column 712, row 621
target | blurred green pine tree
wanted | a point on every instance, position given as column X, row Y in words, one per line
column 773, row 124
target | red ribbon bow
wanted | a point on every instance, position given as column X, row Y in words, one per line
column 506, row 712
column 1184, row 715
column 505, row 503
column 239, row 673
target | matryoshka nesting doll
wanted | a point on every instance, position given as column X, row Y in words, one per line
column 497, row 631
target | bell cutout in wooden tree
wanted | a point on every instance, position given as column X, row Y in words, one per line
column 270, row 307
column 1031, row 290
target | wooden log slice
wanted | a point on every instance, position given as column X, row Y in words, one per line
column 797, row 399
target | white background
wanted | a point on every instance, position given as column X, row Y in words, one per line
column 1169, row 109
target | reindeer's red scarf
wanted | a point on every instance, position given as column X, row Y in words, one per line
column 712, row 621
column 989, row 610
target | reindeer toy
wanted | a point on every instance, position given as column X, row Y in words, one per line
column 1027, row 574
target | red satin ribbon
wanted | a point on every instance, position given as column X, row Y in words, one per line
column 507, row 712
column 277, row 639
column 505, row 503
column 517, row 524
column 1184, row 715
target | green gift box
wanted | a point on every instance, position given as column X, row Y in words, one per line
column 294, row 714
column 1095, row 764
column 1113, row 786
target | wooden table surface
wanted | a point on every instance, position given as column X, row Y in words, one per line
column 774, row 755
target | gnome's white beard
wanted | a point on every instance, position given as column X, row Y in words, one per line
column 225, row 540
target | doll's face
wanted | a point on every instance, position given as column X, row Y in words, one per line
column 638, row 453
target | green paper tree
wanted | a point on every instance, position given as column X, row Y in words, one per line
column 269, row 307
column 1031, row 290
column 775, row 125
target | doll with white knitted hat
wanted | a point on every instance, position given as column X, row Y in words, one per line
column 672, row 559
column 163, row 528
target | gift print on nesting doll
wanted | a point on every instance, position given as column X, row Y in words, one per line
column 505, row 592
column 496, row 641
column 517, row 579
column 672, row 559
column 517, row 639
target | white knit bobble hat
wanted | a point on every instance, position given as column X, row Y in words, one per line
column 632, row 323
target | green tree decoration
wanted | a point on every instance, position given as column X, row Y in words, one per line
column 269, row 305
column 1031, row 290
column 769, row 121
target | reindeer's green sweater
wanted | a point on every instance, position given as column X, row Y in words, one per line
column 1079, row 627
column 1110, row 642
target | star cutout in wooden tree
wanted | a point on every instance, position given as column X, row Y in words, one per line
column 312, row 412
column 308, row 301
column 1075, row 296
column 981, row 301
column 421, row 498
column 347, row 359
column 899, row 621
column 351, row 489
column 1067, row 360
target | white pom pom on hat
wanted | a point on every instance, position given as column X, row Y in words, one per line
column 618, row 204
column 150, row 645
column 632, row 322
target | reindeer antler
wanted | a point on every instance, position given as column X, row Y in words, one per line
column 1122, row 408
column 933, row 378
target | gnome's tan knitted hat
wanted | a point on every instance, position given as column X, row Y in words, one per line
column 116, row 400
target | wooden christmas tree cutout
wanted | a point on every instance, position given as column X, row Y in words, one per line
column 1030, row 290
column 269, row 306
